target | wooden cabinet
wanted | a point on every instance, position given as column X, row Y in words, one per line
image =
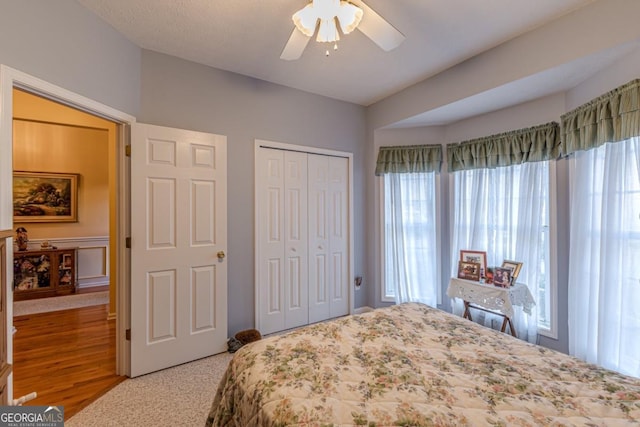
column 44, row 273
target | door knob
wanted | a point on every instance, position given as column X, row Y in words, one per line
column 220, row 255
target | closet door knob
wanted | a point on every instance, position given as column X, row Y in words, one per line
column 220, row 255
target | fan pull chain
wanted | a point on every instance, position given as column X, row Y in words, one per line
column 335, row 47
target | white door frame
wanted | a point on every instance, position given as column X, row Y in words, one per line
column 259, row 143
column 9, row 79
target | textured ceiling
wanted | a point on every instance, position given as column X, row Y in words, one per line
column 247, row 37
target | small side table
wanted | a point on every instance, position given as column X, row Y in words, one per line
column 492, row 299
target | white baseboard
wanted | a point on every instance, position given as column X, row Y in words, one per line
column 361, row 310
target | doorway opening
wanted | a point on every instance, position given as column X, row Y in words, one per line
column 53, row 142
column 11, row 79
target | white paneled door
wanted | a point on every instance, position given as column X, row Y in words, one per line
column 282, row 240
column 178, row 248
column 328, row 237
column 302, row 238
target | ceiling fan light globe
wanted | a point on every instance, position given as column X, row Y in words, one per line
column 328, row 32
column 306, row 20
column 322, row 18
column 349, row 16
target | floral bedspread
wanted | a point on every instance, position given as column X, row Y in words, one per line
column 412, row 365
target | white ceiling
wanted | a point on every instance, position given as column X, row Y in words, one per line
column 247, row 37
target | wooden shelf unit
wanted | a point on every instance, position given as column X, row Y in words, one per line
column 44, row 273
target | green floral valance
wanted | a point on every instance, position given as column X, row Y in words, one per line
column 612, row 117
column 506, row 149
column 409, row 159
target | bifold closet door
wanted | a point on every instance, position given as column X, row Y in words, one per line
column 282, row 239
column 328, row 237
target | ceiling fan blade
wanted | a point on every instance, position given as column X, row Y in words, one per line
column 295, row 46
column 377, row 29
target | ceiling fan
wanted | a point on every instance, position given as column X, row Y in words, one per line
column 321, row 16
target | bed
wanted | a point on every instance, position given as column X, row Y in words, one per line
column 412, row 365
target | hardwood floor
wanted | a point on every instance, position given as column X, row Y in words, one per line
column 67, row 357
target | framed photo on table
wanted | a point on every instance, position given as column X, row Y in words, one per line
column 469, row 271
column 477, row 257
column 515, row 267
column 502, row 277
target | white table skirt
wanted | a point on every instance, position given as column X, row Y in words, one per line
column 492, row 297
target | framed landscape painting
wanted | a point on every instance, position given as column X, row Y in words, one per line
column 45, row 197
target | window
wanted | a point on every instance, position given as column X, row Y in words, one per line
column 505, row 211
column 411, row 255
column 604, row 295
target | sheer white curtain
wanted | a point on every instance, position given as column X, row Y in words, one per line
column 604, row 272
column 411, row 256
column 505, row 212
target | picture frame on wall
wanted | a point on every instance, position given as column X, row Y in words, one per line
column 45, row 197
column 479, row 257
column 469, row 271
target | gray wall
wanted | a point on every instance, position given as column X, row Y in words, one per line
column 183, row 94
column 64, row 44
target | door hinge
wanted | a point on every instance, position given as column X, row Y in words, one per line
column 127, row 242
column 127, row 334
column 127, row 150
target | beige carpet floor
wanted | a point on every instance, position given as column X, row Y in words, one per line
column 66, row 302
column 178, row 396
